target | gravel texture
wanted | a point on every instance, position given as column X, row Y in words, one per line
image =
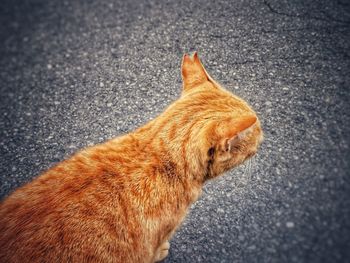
column 75, row 73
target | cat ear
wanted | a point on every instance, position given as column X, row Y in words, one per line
column 239, row 130
column 193, row 72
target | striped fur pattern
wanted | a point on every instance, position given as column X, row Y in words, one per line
column 122, row 200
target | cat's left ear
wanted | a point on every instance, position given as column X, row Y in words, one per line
column 193, row 72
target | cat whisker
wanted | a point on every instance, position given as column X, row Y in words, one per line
column 245, row 168
column 246, row 172
column 253, row 165
column 249, row 169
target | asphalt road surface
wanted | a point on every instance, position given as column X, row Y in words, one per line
column 75, row 73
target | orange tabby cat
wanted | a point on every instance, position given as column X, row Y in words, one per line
column 122, row 200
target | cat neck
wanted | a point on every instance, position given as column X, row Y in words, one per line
column 174, row 155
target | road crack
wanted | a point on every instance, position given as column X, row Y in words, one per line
column 327, row 18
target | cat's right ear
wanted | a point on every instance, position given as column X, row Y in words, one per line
column 233, row 132
column 193, row 73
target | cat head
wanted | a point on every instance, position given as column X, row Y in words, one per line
column 216, row 130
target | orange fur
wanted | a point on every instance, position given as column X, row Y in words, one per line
column 122, row 200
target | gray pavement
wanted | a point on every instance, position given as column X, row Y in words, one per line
column 75, row 73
